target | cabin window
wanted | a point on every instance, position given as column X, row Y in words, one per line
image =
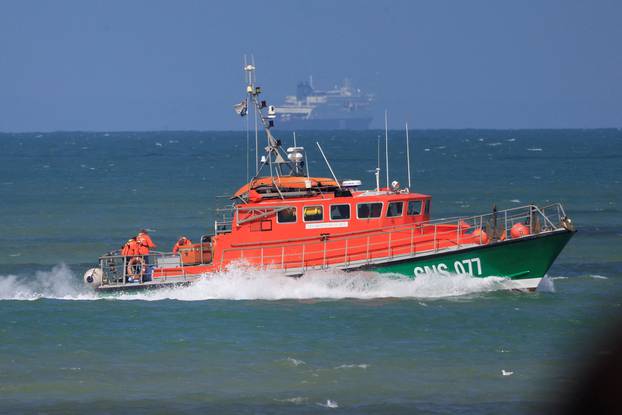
column 368, row 210
column 414, row 207
column 395, row 209
column 339, row 212
column 261, row 226
column 313, row 213
column 286, row 215
column 427, row 207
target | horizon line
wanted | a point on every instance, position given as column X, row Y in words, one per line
column 310, row 130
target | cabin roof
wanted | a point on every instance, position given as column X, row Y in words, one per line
column 357, row 197
column 287, row 182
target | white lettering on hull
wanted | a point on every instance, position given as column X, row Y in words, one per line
column 325, row 225
column 471, row 266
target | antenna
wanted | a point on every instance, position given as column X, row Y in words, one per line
column 246, row 76
column 328, row 164
column 253, row 77
column 295, row 139
column 377, row 171
column 386, row 145
column 408, row 155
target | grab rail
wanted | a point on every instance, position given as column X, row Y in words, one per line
column 422, row 237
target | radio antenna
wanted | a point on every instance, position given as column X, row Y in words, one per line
column 247, row 132
column 253, row 76
column 377, row 171
column 408, row 155
column 386, row 145
column 328, row 164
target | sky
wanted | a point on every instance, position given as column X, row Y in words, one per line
column 177, row 65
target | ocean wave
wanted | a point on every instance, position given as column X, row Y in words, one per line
column 353, row 366
column 243, row 283
column 598, row 277
column 329, row 404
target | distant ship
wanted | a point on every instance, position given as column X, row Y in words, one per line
column 340, row 108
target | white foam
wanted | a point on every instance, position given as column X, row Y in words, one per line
column 295, row 362
column 298, row 400
column 546, row 285
column 353, row 366
column 599, row 277
column 58, row 283
column 244, row 283
column 534, row 149
column 329, row 404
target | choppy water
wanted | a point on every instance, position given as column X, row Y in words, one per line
column 258, row 342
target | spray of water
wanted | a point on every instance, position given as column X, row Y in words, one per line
column 244, row 283
column 58, row 283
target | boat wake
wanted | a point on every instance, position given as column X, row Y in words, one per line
column 58, row 283
column 239, row 283
column 243, row 283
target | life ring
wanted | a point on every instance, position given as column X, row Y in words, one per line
column 136, row 267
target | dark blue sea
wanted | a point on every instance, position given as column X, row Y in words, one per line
column 249, row 342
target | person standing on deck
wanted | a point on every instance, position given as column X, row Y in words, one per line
column 145, row 243
column 130, row 248
column 181, row 242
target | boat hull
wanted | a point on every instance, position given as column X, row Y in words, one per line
column 523, row 261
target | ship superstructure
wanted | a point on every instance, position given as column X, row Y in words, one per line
column 340, row 108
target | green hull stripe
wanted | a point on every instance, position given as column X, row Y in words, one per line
column 518, row 274
column 529, row 257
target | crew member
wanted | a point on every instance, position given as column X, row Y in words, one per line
column 130, row 248
column 181, row 242
column 145, row 243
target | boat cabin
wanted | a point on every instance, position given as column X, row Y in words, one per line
column 341, row 211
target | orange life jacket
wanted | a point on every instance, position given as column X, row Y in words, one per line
column 142, row 249
column 145, row 240
column 130, row 248
column 181, row 243
column 126, row 248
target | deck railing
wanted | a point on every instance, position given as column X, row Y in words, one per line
column 115, row 266
column 395, row 242
column 369, row 247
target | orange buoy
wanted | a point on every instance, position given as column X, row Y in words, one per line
column 480, row 236
column 519, row 230
column 503, row 236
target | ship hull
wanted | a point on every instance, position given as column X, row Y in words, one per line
column 522, row 262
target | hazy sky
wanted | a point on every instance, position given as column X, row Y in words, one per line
column 150, row 65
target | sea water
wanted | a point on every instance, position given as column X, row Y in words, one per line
column 244, row 341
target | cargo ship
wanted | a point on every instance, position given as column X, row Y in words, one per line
column 341, row 108
column 288, row 220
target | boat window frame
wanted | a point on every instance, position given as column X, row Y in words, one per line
column 314, row 220
column 288, row 223
column 421, row 207
column 369, row 203
column 330, row 213
column 426, row 207
column 389, row 207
